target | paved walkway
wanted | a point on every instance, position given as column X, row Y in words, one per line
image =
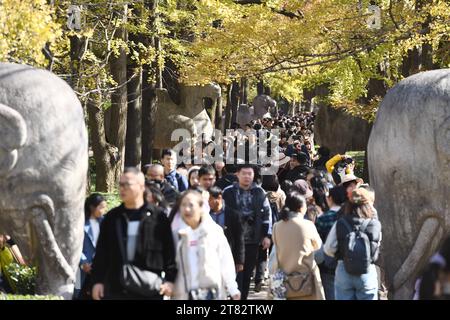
column 262, row 295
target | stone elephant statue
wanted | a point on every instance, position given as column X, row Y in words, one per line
column 190, row 114
column 409, row 166
column 43, row 172
column 339, row 131
column 262, row 107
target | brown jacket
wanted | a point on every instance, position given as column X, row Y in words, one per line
column 295, row 241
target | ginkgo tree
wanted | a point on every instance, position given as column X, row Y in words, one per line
column 125, row 50
column 298, row 44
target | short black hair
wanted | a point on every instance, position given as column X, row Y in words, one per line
column 167, row 152
column 230, row 168
column 206, row 170
column 338, row 195
column 301, row 157
column 270, row 182
column 245, row 166
column 134, row 170
column 215, row 191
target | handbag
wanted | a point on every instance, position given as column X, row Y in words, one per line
column 134, row 279
column 290, row 286
column 299, row 284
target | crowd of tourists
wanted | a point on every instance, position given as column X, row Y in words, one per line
column 204, row 231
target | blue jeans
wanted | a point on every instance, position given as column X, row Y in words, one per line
column 350, row 287
column 328, row 285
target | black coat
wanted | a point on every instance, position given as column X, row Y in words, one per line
column 154, row 248
column 261, row 209
column 235, row 235
column 298, row 172
column 226, row 181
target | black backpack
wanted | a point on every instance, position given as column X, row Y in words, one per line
column 357, row 252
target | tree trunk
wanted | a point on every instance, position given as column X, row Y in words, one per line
column 234, row 100
column 133, row 146
column 105, row 155
column 227, row 122
column 292, row 107
column 260, row 87
column 219, row 119
column 152, row 80
column 118, row 126
column 148, row 104
column 244, row 91
column 210, row 106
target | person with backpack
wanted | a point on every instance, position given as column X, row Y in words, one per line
column 355, row 240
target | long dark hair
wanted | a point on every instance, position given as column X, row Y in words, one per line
column 294, row 202
column 320, row 189
column 93, row 201
column 190, row 174
column 157, row 194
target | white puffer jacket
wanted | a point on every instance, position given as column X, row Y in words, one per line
column 215, row 262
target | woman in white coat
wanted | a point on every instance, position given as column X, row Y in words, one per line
column 205, row 263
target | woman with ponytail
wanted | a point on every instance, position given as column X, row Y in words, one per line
column 295, row 239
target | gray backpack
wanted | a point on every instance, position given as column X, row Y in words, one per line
column 357, row 253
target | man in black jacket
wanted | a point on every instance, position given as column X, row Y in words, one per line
column 230, row 221
column 148, row 242
column 299, row 168
column 155, row 173
column 250, row 201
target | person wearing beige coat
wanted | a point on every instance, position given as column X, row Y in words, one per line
column 295, row 240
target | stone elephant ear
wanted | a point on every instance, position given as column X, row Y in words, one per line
column 13, row 133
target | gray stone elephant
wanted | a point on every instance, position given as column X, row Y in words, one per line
column 43, row 172
column 262, row 106
column 409, row 164
column 190, row 114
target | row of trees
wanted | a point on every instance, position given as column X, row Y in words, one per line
column 301, row 49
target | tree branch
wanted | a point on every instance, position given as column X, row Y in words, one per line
column 283, row 12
